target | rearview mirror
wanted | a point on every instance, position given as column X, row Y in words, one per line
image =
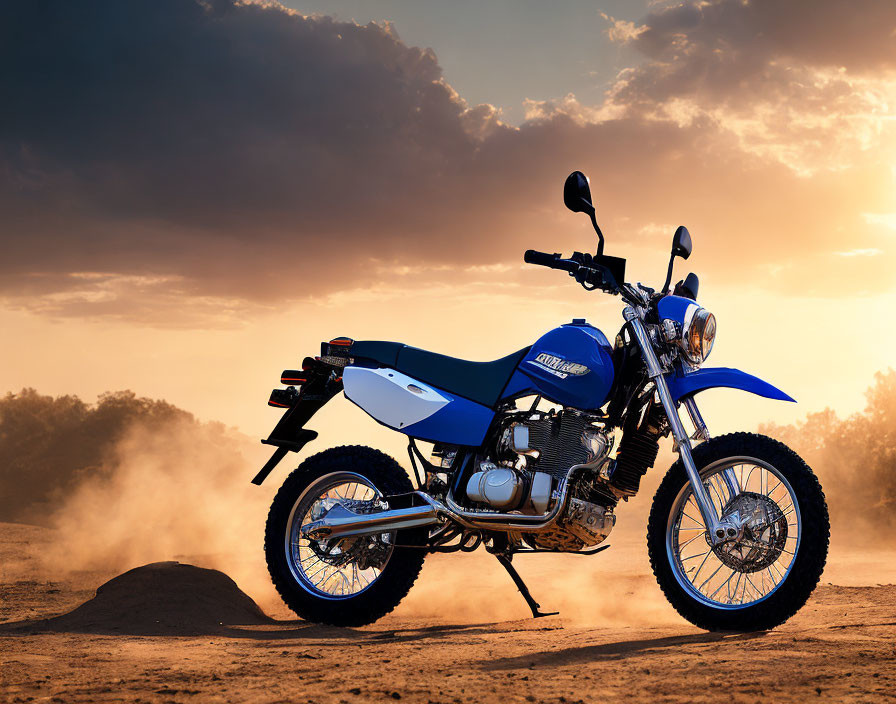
column 681, row 243
column 577, row 193
column 681, row 247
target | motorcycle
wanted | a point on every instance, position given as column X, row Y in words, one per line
column 533, row 452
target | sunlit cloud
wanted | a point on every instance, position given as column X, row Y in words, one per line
column 801, row 94
column 869, row 252
column 883, row 219
column 153, row 301
column 622, row 31
column 653, row 230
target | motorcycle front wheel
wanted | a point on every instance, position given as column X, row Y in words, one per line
column 763, row 576
column 350, row 581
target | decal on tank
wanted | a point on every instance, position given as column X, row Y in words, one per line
column 558, row 366
column 571, row 365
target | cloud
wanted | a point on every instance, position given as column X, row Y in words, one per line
column 887, row 220
column 810, row 83
column 172, row 161
column 870, row 252
column 168, row 135
column 622, row 30
column 857, row 35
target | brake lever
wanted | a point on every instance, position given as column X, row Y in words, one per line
column 588, row 276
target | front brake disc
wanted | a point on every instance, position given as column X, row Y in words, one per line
column 762, row 532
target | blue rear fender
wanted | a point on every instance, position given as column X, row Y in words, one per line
column 702, row 379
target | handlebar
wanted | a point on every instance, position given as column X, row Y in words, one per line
column 587, row 273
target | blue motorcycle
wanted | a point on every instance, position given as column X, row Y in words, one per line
column 532, row 453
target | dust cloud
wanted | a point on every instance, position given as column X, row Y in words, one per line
column 855, row 460
column 178, row 489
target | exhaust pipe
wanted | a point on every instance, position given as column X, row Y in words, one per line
column 340, row 522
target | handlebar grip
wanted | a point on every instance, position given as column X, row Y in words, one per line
column 552, row 261
column 566, row 265
column 533, row 256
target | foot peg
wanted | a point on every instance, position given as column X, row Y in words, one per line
column 533, row 605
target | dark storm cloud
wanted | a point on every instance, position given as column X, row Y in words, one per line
column 177, row 150
column 138, row 133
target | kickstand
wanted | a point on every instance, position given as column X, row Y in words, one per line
column 504, row 559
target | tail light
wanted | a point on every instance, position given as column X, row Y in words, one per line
column 336, row 351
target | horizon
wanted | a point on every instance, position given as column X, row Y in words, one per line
column 202, row 218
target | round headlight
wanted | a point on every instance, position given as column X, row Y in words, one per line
column 698, row 335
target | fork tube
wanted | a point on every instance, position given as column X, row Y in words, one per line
column 702, row 433
column 655, row 372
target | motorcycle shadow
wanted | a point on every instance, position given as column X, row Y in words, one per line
column 336, row 636
column 616, row 650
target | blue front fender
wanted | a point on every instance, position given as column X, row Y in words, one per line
column 691, row 383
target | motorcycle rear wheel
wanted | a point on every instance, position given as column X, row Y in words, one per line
column 355, row 581
column 765, row 576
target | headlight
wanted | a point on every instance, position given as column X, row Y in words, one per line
column 698, row 334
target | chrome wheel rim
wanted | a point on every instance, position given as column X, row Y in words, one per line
column 339, row 568
column 751, row 568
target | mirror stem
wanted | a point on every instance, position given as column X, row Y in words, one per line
column 600, row 235
column 669, row 274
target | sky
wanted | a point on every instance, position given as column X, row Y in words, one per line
column 505, row 52
column 194, row 194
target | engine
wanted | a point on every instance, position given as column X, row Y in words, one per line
column 534, row 453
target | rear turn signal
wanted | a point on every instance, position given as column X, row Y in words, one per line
column 291, row 376
column 283, row 398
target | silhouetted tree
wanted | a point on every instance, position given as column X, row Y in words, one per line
column 855, row 458
column 49, row 445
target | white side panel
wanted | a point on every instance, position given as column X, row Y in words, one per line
column 390, row 396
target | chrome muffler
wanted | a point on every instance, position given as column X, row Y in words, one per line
column 341, row 522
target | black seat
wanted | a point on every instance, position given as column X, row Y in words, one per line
column 482, row 382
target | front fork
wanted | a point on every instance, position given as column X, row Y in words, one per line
column 718, row 528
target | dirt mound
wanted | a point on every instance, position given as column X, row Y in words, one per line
column 163, row 598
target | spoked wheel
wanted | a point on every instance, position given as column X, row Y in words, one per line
column 335, row 569
column 344, row 581
column 749, row 567
column 764, row 573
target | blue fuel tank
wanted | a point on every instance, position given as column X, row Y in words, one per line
column 571, row 365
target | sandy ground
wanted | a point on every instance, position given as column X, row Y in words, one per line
column 173, row 633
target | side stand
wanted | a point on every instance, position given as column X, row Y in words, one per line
column 504, row 559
